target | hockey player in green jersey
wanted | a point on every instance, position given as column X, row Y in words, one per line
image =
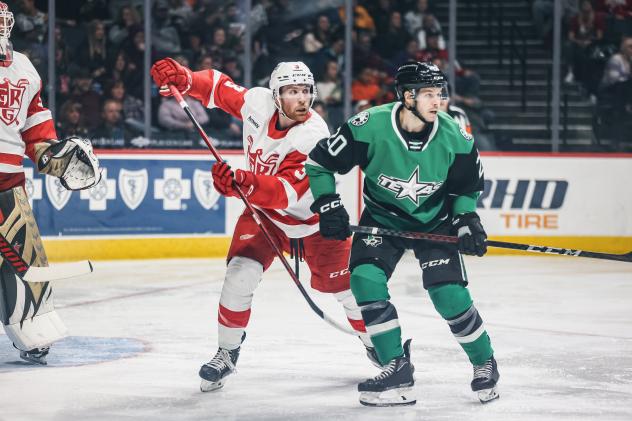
column 422, row 173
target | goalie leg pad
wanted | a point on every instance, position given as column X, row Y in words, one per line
column 242, row 277
column 26, row 309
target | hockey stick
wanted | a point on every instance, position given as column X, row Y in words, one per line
column 627, row 257
column 264, row 230
column 40, row 274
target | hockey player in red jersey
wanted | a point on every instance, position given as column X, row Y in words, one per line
column 26, row 127
column 279, row 130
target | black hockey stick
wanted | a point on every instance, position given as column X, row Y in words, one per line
column 40, row 274
column 252, row 210
column 492, row 243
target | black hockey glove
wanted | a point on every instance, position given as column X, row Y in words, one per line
column 334, row 219
column 472, row 236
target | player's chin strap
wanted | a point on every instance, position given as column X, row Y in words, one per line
column 413, row 109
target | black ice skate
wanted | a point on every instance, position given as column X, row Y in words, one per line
column 393, row 386
column 214, row 372
column 35, row 355
column 485, row 379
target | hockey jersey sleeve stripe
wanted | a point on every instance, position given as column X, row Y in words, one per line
column 37, row 118
column 37, row 134
column 203, row 85
column 216, row 90
column 11, row 159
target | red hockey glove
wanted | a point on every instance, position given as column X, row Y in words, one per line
column 169, row 72
column 223, row 178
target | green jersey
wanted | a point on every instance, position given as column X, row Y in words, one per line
column 413, row 181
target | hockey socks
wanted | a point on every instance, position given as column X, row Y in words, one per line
column 454, row 304
column 368, row 284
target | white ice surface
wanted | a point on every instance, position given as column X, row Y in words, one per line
column 561, row 329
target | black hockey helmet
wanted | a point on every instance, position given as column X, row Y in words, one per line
column 416, row 75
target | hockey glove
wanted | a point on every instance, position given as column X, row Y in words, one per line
column 169, row 72
column 472, row 236
column 334, row 219
column 73, row 161
column 223, row 178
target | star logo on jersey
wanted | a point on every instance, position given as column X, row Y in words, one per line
column 11, row 99
column 360, row 119
column 411, row 189
column 372, row 241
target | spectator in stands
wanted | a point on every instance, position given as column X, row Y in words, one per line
column 218, row 45
column 112, row 126
column 321, row 110
column 171, row 117
column 329, row 87
column 410, row 53
column 70, row 121
column 195, row 48
column 430, row 25
column 31, row 23
column 94, row 9
column 204, row 63
column 233, row 68
column 586, row 30
column 132, row 107
column 381, row 12
column 127, row 20
column 617, row 86
column 319, row 37
column 414, row 19
column 393, row 41
column 366, row 86
column 123, row 70
column 362, row 19
column 164, row 35
column 93, row 54
column 83, row 93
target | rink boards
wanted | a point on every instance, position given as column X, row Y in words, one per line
column 162, row 204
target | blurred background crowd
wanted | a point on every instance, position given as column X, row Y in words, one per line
column 100, row 47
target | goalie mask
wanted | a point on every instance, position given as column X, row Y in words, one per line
column 73, row 161
column 291, row 73
column 6, row 25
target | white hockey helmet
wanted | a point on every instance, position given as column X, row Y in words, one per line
column 6, row 25
column 290, row 73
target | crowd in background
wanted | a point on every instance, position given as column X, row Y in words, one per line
column 100, row 55
column 598, row 56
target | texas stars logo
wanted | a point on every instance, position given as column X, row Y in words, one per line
column 411, row 189
column 372, row 240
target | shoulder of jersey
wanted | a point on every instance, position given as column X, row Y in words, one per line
column 306, row 135
column 260, row 99
column 460, row 136
column 370, row 115
column 22, row 60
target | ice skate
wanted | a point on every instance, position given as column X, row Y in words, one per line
column 393, row 386
column 214, row 372
column 485, row 379
column 35, row 355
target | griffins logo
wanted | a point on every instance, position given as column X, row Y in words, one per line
column 57, row 194
column 203, row 188
column 133, row 186
column 257, row 163
column 11, row 99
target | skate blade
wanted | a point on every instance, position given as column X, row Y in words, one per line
column 33, row 360
column 488, row 395
column 207, row 386
column 394, row 397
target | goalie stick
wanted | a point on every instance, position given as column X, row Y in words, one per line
column 627, row 257
column 255, row 216
column 41, row 274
